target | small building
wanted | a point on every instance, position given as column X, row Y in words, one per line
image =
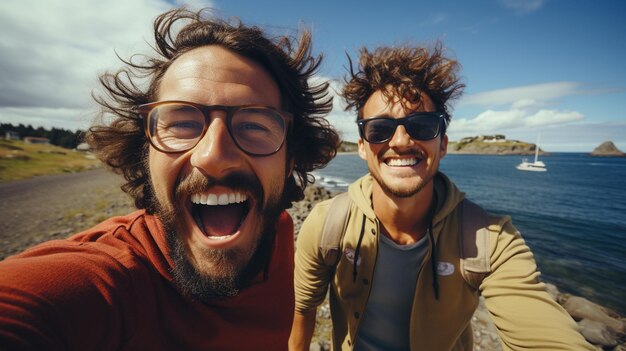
column 498, row 138
column 11, row 135
column 36, row 140
column 83, row 147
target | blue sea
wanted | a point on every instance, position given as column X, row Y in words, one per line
column 573, row 216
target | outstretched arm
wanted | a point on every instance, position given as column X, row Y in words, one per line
column 302, row 330
column 524, row 314
column 311, row 279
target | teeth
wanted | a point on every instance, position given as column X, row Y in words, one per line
column 211, row 200
column 402, row 162
column 223, row 199
column 219, row 237
column 214, row 199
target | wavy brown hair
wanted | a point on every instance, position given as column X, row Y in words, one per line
column 403, row 71
column 122, row 144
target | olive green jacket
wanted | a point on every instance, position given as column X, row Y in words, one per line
column 524, row 314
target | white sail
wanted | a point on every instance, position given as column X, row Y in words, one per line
column 536, row 166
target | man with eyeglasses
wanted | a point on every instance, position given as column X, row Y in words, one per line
column 398, row 281
column 210, row 134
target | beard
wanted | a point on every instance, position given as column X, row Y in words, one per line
column 230, row 269
column 402, row 192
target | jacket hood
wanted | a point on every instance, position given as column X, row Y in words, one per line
column 448, row 196
column 361, row 193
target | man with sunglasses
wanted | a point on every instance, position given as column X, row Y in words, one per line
column 210, row 134
column 398, row 281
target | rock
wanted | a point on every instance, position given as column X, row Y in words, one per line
column 607, row 148
column 485, row 334
column 17, row 156
column 598, row 333
column 580, row 308
column 553, row 291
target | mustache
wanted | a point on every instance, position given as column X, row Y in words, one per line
column 196, row 182
column 393, row 153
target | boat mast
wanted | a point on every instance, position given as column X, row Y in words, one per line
column 537, row 148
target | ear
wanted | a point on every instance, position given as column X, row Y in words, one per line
column 443, row 148
column 290, row 166
column 362, row 152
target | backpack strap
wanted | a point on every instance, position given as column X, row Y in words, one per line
column 334, row 228
column 474, row 243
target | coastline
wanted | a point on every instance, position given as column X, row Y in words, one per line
column 35, row 214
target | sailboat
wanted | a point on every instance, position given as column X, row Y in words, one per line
column 536, row 166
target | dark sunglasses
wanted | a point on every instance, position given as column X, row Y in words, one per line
column 177, row 126
column 419, row 125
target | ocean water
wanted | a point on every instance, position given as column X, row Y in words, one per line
column 573, row 216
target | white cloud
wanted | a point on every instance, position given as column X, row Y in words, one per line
column 524, row 94
column 342, row 120
column 525, row 104
column 53, row 51
column 552, row 117
column 504, row 121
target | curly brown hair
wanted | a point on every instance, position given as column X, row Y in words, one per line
column 403, row 71
column 122, row 144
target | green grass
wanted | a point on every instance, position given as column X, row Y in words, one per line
column 19, row 160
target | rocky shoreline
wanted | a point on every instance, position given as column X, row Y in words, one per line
column 600, row 326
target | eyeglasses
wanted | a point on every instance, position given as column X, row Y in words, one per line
column 177, row 126
column 420, row 126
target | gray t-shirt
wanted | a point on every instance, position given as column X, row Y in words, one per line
column 386, row 320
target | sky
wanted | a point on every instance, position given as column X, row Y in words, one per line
column 532, row 68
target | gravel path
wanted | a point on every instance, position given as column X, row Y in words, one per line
column 51, row 207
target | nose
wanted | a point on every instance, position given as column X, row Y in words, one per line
column 400, row 138
column 216, row 153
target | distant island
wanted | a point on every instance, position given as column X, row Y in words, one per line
column 607, row 149
column 491, row 145
column 347, row 146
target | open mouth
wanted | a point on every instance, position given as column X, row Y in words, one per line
column 219, row 216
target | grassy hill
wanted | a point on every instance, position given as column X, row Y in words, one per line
column 19, row 160
column 489, row 145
